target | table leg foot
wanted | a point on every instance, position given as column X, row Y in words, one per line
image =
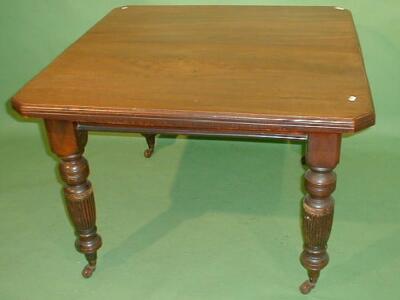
column 306, row 287
column 88, row 271
column 148, row 152
column 309, row 284
column 151, row 140
column 91, row 266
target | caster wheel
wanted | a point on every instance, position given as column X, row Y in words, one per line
column 148, row 153
column 306, row 287
column 88, row 270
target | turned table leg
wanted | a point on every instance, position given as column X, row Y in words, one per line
column 322, row 156
column 151, row 140
column 68, row 144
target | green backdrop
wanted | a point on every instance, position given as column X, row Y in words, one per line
column 203, row 218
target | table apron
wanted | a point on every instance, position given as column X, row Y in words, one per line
column 279, row 136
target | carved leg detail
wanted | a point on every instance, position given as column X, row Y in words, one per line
column 151, row 140
column 69, row 144
column 81, row 207
column 318, row 205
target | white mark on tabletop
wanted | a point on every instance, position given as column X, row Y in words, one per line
column 124, row 7
column 339, row 8
column 352, row 98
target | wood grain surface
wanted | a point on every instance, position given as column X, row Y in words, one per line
column 264, row 68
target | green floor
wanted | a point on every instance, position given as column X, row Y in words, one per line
column 203, row 218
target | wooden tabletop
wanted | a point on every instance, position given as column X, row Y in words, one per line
column 291, row 68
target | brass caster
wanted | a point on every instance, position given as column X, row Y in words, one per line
column 88, row 271
column 306, row 287
column 151, row 141
column 148, row 153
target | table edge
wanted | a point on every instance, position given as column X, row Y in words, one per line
column 199, row 119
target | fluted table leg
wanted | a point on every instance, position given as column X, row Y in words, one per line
column 68, row 143
column 322, row 156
